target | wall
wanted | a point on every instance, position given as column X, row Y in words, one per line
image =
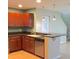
column 66, row 19
column 57, row 26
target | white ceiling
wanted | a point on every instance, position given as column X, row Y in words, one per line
column 61, row 5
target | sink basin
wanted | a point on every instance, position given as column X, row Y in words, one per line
column 35, row 35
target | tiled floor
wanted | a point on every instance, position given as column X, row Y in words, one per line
column 22, row 55
column 65, row 51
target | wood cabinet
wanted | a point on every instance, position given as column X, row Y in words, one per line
column 14, row 43
column 20, row 19
column 14, row 19
column 11, row 19
column 22, row 42
column 29, row 44
column 26, row 43
column 28, row 19
column 19, row 44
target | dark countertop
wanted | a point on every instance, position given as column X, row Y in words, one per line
column 14, row 33
column 39, row 36
column 26, row 34
column 55, row 35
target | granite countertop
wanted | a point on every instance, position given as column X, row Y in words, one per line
column 37, row 35
column 55, row 35
column 14, row 33
column 50, row 36
column 26, row 34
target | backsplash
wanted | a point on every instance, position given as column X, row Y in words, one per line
column 15, row 30
column 20, row 29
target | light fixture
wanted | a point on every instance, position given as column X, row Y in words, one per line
column 54, row 5
column 54, row 18
column 38, row 1
column 20, row 5
column 43, row 19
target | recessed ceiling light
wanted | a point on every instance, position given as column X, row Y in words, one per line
column 20, row 5
column 38, row 1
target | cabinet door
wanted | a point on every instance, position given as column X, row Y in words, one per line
column 19, row 45
column 25, row 21
column 12, row 44
column 18, row 21
column 15, row 19
column 31, row 44
column 11, row 19
column 25, row 43
column 28, row 44
column 28, row 19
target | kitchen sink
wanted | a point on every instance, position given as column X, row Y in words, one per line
column 34, row 35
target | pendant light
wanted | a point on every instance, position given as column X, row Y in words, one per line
column 54, row 17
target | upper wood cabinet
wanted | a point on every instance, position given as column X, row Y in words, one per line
column 28, row 19
column 14, row 19
column 11, row 19
column 20, row 19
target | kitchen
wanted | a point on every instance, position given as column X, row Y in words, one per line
column 31, row 30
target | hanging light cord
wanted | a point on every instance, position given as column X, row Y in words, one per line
column 54, row 5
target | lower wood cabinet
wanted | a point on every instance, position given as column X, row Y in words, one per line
column 14, row 43
column 22, row 43
column 28, row 44
column 19, row 44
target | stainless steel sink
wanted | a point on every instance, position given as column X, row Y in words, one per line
column 34, row 35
